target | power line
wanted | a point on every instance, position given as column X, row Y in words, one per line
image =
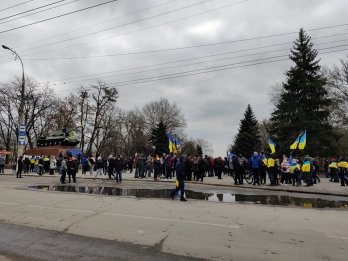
column 22, row 3
column 27, row 11
column 131, row 32
column 203, row 70
column 58, row 16
column 190, row 64
column 39, row 12
column 121, row 25
column 102, row 22
column 199, row 45
column 168, row 49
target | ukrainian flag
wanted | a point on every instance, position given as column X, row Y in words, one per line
column 306, row 166
column 171, row 142
column 303, row 140
column 272, row 146
column 295, row 144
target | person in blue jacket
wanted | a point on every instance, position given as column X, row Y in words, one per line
column 255, row 164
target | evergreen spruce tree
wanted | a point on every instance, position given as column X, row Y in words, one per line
column 248, row 138
column 303, row 103
column 159, row 139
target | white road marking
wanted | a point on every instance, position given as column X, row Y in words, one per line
column 345, row 238
column 121, row 215
column 8, row 203
column 170, row 220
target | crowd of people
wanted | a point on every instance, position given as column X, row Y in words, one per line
column 285, row 171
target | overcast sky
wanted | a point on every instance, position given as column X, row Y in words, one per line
column 233, row 50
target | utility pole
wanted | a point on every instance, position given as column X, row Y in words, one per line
column 22, row 128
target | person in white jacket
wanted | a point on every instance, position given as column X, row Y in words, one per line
column 53, row 164
column 285, row 170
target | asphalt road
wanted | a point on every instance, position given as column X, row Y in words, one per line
column 89, row 227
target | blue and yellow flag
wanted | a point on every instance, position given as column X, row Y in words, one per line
column 295, row 144
column 306, row 166
column 171, row 142
column 272, row 146
column 303, row 140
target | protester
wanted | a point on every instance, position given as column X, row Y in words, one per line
column 2, row 164
column 53, row 165
column 99, row 167
column 343, row 171
column 72, row 168
column 219, row 165
column 333, row 171
column 118, row 168
column 20, row 166
column 295, row 171
column 149, row 166
column 111, row 166
column 157, row 166
column 285, row 171
column 307, row 171
column 236, row 168
column 263, row 168
column 255, row 164
column 272, row 170
column 63, row 170
column 180, row 177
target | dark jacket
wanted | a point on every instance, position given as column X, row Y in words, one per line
column 236, row 163
column 20, row 164
column 100, row 164
column 72, row 165
column 157, row 166
column 118, row 164
column 180, row 169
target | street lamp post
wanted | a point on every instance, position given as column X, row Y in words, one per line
column 22, row 125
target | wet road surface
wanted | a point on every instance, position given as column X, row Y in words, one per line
column 25, row 243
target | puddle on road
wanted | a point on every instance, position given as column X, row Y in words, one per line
column 277, row 200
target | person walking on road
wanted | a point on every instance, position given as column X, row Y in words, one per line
column 20, row 166
column 180, row 179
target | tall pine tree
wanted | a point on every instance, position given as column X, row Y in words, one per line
column 303, row 103
column 159, row 138
column 248, row 138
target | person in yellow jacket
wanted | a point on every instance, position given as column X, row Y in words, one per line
column 333, row 170
column 32, row 163
column 343, row 171
column 272, row 169
column 295, row 171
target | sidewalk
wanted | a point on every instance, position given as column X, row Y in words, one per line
column 325, row 187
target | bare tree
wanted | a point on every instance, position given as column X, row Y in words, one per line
column 170, row 114
column 37, row 102
column 275, row 93
column 338, row 88
column 103, row 98
column 84, row 113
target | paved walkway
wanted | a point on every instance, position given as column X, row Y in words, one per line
column 324, row 187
